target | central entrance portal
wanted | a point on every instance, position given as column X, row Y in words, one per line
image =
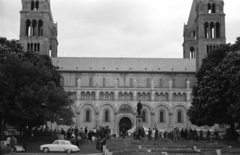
column 125, row 123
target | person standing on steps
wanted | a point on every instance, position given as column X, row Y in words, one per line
column 149, row 133
column 123, row 133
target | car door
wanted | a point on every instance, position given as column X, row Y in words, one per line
column 62, row 146
column 55, row 146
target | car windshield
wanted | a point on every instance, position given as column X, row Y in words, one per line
column 56, row 142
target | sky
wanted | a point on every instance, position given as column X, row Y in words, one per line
column 118, row 28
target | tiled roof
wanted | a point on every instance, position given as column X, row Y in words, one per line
column 125, row 64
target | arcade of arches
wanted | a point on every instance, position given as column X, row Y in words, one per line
column 117, row 117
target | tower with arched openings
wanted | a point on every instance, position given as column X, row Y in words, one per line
column 205, row 29
column 38, row 32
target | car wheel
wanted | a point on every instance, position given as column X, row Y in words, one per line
column 69, row 151
column 45, row 150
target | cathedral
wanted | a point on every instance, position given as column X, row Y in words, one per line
column 106, row 90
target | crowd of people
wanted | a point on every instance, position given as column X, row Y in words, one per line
column 79, row 137
column 175, row 134
column 11, row 143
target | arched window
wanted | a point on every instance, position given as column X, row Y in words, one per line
column 93, row 96
column 144, row 116
column 101, row 96
column 139, row 98
column 131, row 96
column 106, row 116
column 179, row 116
column 192, row 52
column 28, row 27
column 37, row 5
column 144, row 96
column 120, row 96
column 209, row 8
column 161, row 119
column 88, row 116
column 213, row 8
column 32, row 5
column 40, row 27
column 83, row 96
column 148, row 97
column 125, row 96
column 212, row 30
column 206, row 29
column 157, row 98
column 112, row 96
column 88, row 96
column 107, row 96
column 34, row 27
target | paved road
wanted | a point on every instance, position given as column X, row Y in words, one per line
column 25, row 153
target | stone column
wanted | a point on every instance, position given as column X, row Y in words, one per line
column 170, row 119
column 77, row 119
column 134, row 95
column 170, row 96
column 97, row 119
column 115, row 94
column 116, row 123
column 153, row 96
column 97, row 94
column 78, row 95
column 152, row 119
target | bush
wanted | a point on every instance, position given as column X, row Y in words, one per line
column 5, row 150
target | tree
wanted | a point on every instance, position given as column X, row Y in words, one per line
column 27, row 81
column 216, row 93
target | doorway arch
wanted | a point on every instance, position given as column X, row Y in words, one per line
column 124, row 122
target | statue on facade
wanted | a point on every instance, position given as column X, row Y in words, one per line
column 139, row 108
column 152, row 84
column 116, row 83
column 170, row 84
column 135, row 83
column 79, row 82
column 97, row 85
column 188, row 84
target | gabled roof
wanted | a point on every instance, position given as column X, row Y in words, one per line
column 84, row 64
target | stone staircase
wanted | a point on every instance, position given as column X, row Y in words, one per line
column 128, row 146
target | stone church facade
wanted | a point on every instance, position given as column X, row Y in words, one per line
column 107, row 90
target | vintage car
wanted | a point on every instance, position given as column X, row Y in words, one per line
column 59, row 146
column 18, row 148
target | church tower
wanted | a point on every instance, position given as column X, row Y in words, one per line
column 205, row 29
column 38, row 32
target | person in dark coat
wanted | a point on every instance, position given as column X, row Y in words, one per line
column 98, row 144
column 90, row 136
column 103, row 143
column 156, row 134
column 86, row 130
column 149, row 134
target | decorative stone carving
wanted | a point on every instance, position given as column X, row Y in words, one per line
column 125, row 109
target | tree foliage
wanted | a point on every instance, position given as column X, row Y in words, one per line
column 30, row 88
column 216, row 93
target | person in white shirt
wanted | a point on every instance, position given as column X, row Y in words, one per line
column 8, row 141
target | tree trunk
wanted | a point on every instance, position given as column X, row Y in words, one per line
column 29, row 131
column 233, row 132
